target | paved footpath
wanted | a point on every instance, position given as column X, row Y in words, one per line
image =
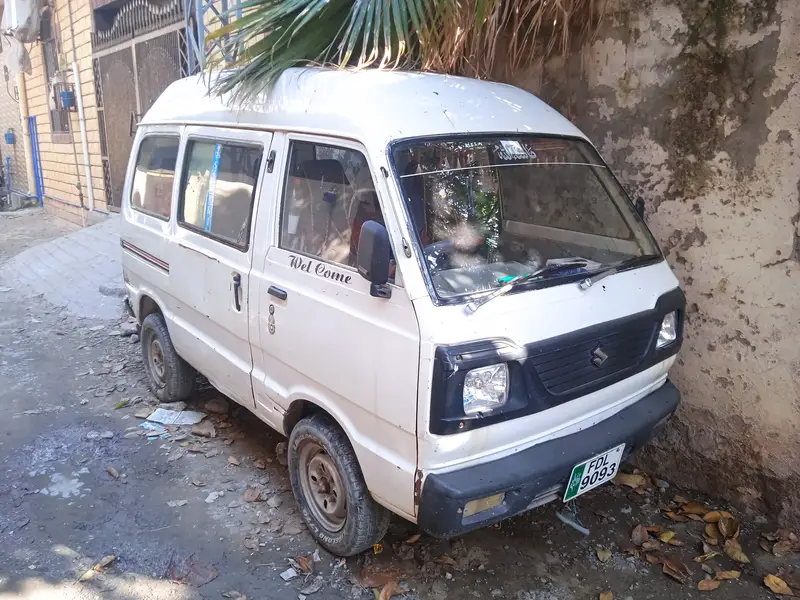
column 69, row 271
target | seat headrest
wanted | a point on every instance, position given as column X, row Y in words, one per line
column 326, row 170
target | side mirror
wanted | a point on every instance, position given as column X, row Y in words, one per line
column 374, row 252
column 639, row 205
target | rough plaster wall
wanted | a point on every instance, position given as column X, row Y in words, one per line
column 9, row 119
column 696, row 105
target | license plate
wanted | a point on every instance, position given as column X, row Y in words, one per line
column 595, row 471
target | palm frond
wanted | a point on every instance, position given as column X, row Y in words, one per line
column 465, row 37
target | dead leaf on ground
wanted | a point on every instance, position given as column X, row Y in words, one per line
column 414, row 538
column 631, row 480
column 376, row 576
column 652, row 558
column 388, row 590
column 675, row 516
column 778, row 585
column 728, row 527
column 377, row 548
column 259, row 464
column 191, row 570
column 694, row 508
column 711, row 534
column 234, row 595
column 666, row 536
column 446, row 560
column 198, row 482
column 606, row 596
column 766, row 546
column 252, row 495
column 725, row 575
column 306, row 563
column 603, row 554
column 708, row 585
column 204, row 429
column 97, row 568
column 680, row 500
column 694, row 517
column 113, row 472
column 233, row 460
column 715, row 515
column 734, row 550
column 651, row 545
column 639, row 535
column 782, row 548
column 707, row 569
column 706, row 556
column 675, row 569
column 655, row 529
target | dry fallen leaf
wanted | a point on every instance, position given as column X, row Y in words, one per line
column 675, row 516
column 603, row 554
column 414, row 538
column 694, row 517
column 652, row 558
column 766, row 546
column 675, row 569
column 734, row 550
column 706, row 556
column 376, row 576
column 708, row 585
column 113, row 472
column 97, row 568
column 778, row 585
column 782, row 548
column 728, row 527
column 773, row 536
column 377, row 548
column 606, row 596
column 639, row 535
column 728, row 574
column 650, row 545
column 388, row 590
column 259, row 464
column 306, row 563
column 446, row 561
column 707, row 569
column 666, row 536
column 631, row 480
column 710, row 533
column 712, row 517
column 694, row 508
column 233, row 460
column 680, row 500
column 655, row 529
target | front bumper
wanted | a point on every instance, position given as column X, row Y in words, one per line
column 537, row 474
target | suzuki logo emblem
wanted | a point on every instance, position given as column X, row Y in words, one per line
column 598, row 357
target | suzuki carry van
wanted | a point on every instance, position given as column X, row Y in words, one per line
column 433, row 286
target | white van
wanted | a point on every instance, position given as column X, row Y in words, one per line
column 434, row 286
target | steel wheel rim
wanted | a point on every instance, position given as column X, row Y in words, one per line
column 322, row 486
column 156, row 359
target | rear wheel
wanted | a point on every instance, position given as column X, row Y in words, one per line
column 169, row 376
column 330, row 489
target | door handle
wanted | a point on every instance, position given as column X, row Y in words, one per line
column 237, row 285
column 277, row 292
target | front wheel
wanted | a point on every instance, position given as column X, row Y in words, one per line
column 330, row 489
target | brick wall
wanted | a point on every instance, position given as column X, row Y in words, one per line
column 9, row 119
column 62, row 159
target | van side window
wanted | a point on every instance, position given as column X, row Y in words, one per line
column 328, row 196
column 217, row 190
column 151, row 191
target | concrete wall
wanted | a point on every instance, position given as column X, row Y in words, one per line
column 60, row 171
column 696, row 105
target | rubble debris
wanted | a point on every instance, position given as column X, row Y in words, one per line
column 218, row 406
column 192, row 571
column 176, row 417
column 204, row 429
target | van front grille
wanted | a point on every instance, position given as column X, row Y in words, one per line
column 587, row 361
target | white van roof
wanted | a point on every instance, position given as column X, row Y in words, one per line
column 372, row 106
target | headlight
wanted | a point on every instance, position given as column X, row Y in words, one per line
column 485, row 389
column 669, row 330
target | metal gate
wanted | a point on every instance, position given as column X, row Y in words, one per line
column 134, row 61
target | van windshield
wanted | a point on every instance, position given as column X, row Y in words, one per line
column 489, row 209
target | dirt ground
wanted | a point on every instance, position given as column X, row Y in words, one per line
column 79, row 481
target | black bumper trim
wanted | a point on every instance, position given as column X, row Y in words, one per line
column 533, row 472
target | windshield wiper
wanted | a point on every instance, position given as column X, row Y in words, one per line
column 510, row 284
column 608, row 270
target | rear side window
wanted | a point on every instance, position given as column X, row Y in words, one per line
column 217, row 190
column 152, row 179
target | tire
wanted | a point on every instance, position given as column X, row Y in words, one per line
column 170, row 377
column 316, row 444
